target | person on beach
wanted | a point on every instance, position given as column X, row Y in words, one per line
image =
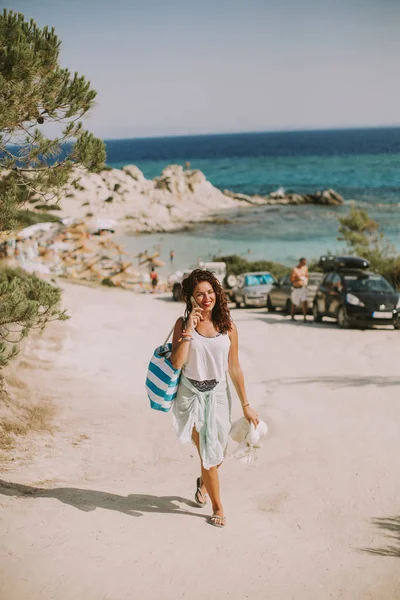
column 154, row 279
column 171, row 256
column 299, row 281
column 205, row 347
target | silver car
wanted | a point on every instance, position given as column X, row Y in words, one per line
column 252, row 289
column 280, row 295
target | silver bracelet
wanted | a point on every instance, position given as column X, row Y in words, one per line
column 186, row 339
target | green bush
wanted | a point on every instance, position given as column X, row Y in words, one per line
column 363, row 238
column 24, row 218
column 48, row 206
column 26, row 302
column 236, row 265
column 107, row 282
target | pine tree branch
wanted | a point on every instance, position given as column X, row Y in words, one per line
column 6, row 151
column 47, row 168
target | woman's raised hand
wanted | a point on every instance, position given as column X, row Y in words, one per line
column 193, row 319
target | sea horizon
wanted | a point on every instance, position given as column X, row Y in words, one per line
column 253, row 132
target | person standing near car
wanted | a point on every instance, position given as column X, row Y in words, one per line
column 299, row 281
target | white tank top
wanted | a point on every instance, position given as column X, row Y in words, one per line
column 208, row 357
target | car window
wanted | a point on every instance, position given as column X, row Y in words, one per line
column 259, row 279
column 285, row 280
column 336, row 280
column 367, row 283
column 328, row 279
column 315, row 278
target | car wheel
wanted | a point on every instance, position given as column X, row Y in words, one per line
column 396, row 324
column 177, row 292
column 231, row 280
column 342, row 318
column 288, row 307
column 316, row 314
column 238, row 304
column 270, row 306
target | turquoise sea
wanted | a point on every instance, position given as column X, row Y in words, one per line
column 361, row 164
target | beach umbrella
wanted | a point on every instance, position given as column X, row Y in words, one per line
column 157, row 263
column 146, row 258
column 7, row 235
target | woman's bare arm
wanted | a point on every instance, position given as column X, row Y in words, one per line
column 236, row 374
column 180, row 348
column 180, row 343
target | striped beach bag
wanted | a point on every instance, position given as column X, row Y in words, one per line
column 162, row 378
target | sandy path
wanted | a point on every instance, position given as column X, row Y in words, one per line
column 101, row 512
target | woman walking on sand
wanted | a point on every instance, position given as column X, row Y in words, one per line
column 205, row 347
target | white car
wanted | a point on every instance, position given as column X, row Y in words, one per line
column 252, row 289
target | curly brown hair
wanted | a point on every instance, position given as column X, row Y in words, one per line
column 221, row 316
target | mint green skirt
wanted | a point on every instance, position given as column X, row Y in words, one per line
column 209, row 413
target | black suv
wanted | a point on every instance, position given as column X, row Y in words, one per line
column 353, row 295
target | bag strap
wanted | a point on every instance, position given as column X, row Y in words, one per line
column 169, row 335
column 172, row 331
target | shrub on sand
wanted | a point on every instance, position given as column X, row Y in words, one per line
column 26, row 302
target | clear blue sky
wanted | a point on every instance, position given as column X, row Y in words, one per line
column 166, row 67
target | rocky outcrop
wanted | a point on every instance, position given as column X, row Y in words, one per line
column 172, row 201
column 326, row 197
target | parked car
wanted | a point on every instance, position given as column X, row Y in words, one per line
column 252, row 289
column 218, row 268
column 355, row 296
column 279, row 296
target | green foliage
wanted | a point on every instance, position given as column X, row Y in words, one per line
column 46, row 207
column 236, row 264
column 107, row 282
column 24, row 218
column 26, row 302
column 35, row 90
column 359, row 231
column 363, row 238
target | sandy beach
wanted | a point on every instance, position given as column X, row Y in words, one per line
column 101, row 508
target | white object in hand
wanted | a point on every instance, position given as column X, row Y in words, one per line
column 248, row 437
column 255, row 433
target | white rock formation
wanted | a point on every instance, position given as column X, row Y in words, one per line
column 167, row 203
column 170, row 202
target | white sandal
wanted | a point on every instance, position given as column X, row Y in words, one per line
column 217, row 521
column 199, row 494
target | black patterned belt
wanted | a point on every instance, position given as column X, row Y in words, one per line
column 204, row 386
